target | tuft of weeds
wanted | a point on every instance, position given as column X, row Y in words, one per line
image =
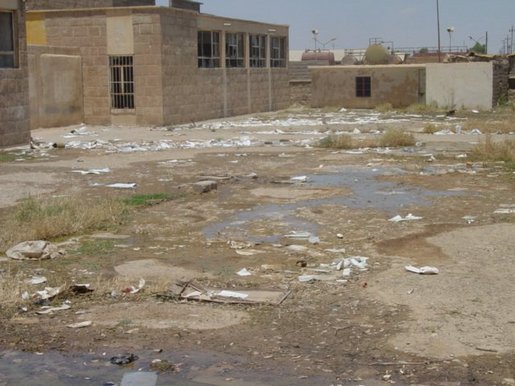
column 430, row 128
column 7, row 157
column 139, row 200
column 96, row 247
column 340, row 141
column 396, row 138
column 492, row 151
column 421, row 108
column 51, row 218
column 384, row 108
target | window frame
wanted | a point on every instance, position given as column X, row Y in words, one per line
column 257, row 51
column 12, row 54
column 235, row 42
column 363, row 86
column 213, row 60
column 121, row 82
column 278, row 52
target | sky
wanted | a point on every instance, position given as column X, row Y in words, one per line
column 407, row 23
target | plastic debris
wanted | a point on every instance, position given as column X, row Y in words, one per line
column 505, row 209
column 422, row 270
column 123, row 360
column 301, row 179
column 45, row 310
column 47, row 293
column 93, row 171
column 299, row 235
column 476, row 132
column 135, row 290
column 139, row 378
column 81, row 288
column 84, row 324
column 131, row 185
column 244, row 272
column 34, row 250
column 409, row 217
column 35, row 280
column 469, row 219
column 232, row 294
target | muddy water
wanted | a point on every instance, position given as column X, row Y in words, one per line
column 368, row 192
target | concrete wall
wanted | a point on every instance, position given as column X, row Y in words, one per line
column 55, row 86
column 399, row 85
column 14, row 88
column 460, row 85
column 70, row 4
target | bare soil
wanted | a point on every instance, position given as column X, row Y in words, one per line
column 383, row 325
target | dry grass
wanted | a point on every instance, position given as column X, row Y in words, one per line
column 431, row 128
column 504, row 124
column 495, row 151
column 384, row 108
column 51, row 218
column 396, row 138
column 340, row 141
column 421, row 108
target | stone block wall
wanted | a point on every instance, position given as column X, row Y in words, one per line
column 501, row 82
column 72, row 4
column 300, row 92
column 14, row 94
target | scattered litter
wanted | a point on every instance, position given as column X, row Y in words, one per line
column 423, row 270
column 409, row 217
column 25, row 295
column 244, row 272
column 205, row 186
column 476, row 132
column 340, row 235
column 505, row 209
column 47, row 293
column 444, row 132
column 461, row 156
column 248, row 252
column 93, row 171
column 139, row 379
column 297, row 248
column 469, row 219
column 45, row 310
column 123, row 360
column 301, row 179
column 314, row 240
column 328, row 272
column 335, row 250
column 475, row 111
column 135, row 290
column 35, row 280
column 131, row 185
column 299, row 235
column 86, row 323
column 34, row 250
column 81, row 288
column 195, row 291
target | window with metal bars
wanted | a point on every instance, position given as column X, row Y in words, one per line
column 7, row 39
column 278, row 52
column 234, row 50
column 257, row 50
column 208, row 49
column 122, row 82
column 363, row 87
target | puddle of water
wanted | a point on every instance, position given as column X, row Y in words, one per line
column 368, row 192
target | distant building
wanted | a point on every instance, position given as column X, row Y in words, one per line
column 14, row 103
column 127, row 62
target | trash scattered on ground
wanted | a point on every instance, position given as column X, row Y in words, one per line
column 34, row 250
column 409, row 217
column 119, row 185
column 299, row 235
column 47, row 294
column 135, row 290
column 123, row 360
column 469, row 219
column 84, row 324
column 244, row 272
column 505, row 209
column 93, row 171
column 205, row 186
column 297, row 248
column 81, row 288
column 331, row 272
column 423, row 270
column 139, row 379
column 45, row 310
column 195, row 291
column 301, row 179
column 35, row 280
column 476, row 132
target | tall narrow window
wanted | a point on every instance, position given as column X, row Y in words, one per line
column 234, row 50
column 208, row 49
column 7, row 39
column 363, row 87
column 278, row 52
column 122, row 82
column 257, row 50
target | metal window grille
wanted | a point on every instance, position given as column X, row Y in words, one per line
column 122, row 82
column 278, row 52
column 234, row 50
column 208, row 49
column 363, row 87
column 7, row 39
column 257, row 50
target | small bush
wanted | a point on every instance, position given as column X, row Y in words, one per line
column 495, row 151
column 384, row 107
column 7, row 157
column 341, row 141
column 431, row 129
column 396, row 138
column 149, row 199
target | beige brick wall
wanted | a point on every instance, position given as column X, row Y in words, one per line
column 70, row 4
column 14, row 95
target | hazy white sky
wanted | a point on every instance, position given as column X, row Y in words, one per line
column 408, row 23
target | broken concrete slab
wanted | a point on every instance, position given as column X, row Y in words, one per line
column 205, row 186
column 139, row 379
column 34, row 250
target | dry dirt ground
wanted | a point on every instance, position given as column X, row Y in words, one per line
column 376, row 326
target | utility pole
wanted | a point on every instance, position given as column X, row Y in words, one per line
column 511, row 46
column 486, row 43
column 438, row 26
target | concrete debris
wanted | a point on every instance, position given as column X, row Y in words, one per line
column 469, row 219
column 299, row 235
column 84, row 324
column 205, row 186
column 409, row 217
column 329, row 272
column 47, row 294
column 81, row 288
column 93, row 171
column 123, row 360
column 35, row 280
column 131, row 185
column 34, row 250
column 133, row 289
column 422, row 270
column 301, row 179
column 140, row 379
column 505, row 209
column 244, row 272
column 45, row 310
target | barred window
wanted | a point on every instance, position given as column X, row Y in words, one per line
column 208, row 49
column 122, row 82
column 278, row 52
column 257, row 50
column 7, row 39
column 234, row 50
column 363, row 87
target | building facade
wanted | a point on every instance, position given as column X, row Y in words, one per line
column 14, row 104
column 150, row 65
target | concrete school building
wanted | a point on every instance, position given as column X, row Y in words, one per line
column 14, row 86
column 130, row 62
